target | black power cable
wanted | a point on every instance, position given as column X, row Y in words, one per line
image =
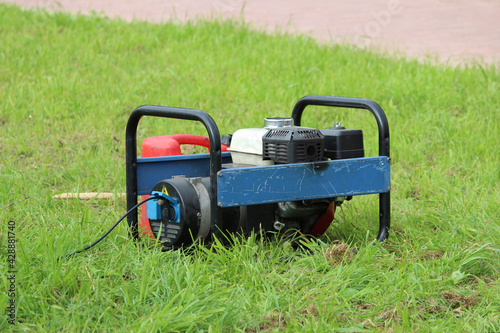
column 114, row 226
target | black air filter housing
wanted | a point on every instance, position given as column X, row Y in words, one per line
column 293, row 145
column 343, row 143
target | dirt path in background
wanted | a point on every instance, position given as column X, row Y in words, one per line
column 453, row 31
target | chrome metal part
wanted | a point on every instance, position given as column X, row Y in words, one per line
column 277, row 122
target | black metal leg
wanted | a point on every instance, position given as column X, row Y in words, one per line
column 385, row 216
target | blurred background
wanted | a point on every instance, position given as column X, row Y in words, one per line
column 448, row 31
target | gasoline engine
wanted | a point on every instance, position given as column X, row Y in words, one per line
column 277, row 178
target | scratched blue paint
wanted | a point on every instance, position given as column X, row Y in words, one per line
column 151, row 170
column 303, row 181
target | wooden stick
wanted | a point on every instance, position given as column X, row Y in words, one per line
column 88, row 195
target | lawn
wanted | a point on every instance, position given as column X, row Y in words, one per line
column 67, row 86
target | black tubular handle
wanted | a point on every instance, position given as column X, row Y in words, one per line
column 383, row 140
column 131, row 157
column 348, row 102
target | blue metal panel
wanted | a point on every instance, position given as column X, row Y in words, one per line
column 303, row 181
column 151, row 170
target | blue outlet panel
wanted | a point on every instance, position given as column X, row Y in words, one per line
column 154, row 207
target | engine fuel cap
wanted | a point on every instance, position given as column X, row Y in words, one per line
column 277, row 122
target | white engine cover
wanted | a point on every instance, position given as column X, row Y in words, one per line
column 246, row 146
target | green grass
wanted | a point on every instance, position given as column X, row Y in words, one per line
column 69, row 83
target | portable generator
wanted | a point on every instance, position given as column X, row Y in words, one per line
column 277, row 178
